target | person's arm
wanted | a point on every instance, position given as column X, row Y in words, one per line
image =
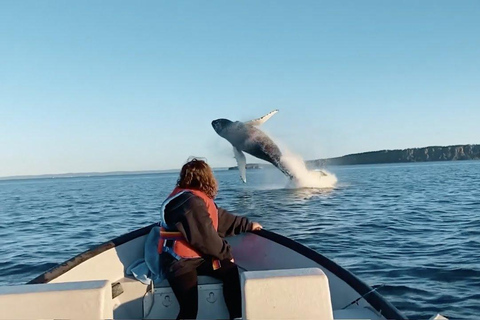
column 197, row 228
column 230, row 224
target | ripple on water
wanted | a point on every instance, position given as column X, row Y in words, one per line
column 414, row 228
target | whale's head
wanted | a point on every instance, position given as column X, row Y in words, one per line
column 220, row 124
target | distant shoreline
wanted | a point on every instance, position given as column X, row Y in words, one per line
column 84, row 174
column 426, row 154
column 93, row 174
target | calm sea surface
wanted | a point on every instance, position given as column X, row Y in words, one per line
column 413, row 227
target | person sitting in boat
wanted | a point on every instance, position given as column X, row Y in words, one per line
column 191, row 239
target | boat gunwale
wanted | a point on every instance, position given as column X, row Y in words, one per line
column 376, row 300
column 69, row 264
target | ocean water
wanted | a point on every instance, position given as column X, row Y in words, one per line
column 413, row 227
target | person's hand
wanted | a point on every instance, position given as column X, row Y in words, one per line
column 256, row 226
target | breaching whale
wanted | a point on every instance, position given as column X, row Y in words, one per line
column 246, row 137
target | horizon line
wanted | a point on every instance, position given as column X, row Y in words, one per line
column 127, row 172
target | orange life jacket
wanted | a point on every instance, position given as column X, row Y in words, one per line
column 181, row 248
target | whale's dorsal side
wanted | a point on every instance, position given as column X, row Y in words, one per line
column 259, row 121
column 241, row 163
column 245, row 137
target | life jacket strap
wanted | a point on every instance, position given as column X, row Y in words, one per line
column 169, row 238
column 170, row 251
column 171, row 235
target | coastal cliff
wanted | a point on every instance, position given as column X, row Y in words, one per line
column 434, row 153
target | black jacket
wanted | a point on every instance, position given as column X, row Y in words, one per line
column 188, row 214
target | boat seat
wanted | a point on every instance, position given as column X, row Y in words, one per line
column 202, row 280
column 286, row 294
column 68, row 300
column 162, row 303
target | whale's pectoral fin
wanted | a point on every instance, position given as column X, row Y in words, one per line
column 259, row 121
column 242, row 163
column 285, row 171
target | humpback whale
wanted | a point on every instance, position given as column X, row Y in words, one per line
column 247, row 137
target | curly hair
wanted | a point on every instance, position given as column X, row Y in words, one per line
column 196, row 174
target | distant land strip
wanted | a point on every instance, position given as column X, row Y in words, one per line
column 86, row 174
column 433, row 153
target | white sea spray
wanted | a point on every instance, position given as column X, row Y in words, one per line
column 304, row 177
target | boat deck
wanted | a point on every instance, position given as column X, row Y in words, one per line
column 280, row 279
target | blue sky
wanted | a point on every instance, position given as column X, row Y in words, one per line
column 133, row 85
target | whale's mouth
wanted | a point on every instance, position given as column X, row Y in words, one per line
column 216, row 125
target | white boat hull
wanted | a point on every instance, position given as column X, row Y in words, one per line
column 263, row 252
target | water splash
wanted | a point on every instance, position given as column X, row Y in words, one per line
column 305, row 178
